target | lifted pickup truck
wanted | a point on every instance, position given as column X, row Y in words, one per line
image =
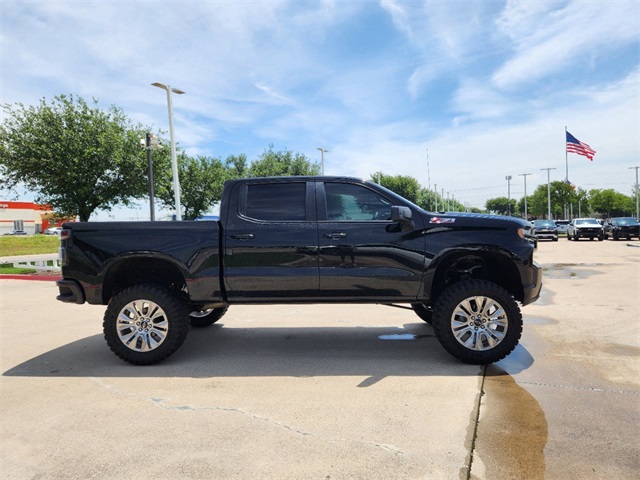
column 304, row 240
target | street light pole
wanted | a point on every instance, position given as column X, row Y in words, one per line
column 548, row 191
column 526, row 213
column 508, row 179
column 174, row 159
column 322, row 152
column 636, row 189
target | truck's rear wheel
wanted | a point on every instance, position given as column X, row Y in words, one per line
column 145, row 324
column 477, row 321
column 204, row 318
column 424, row 312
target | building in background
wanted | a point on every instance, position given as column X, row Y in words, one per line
column 27, row 216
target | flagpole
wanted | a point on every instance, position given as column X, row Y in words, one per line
column 566, row 154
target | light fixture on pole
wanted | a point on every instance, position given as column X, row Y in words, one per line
column 322, row 152
column 508, row 179
column 548, row 191
column 636, row 189
column 174, row 159
column 526, row 213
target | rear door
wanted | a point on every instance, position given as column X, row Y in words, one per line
column 363, row 254
column 271, row 241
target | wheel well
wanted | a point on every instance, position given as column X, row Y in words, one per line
column 495, row 267
column 137, row 271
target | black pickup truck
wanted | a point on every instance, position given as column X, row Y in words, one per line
column 304, row 240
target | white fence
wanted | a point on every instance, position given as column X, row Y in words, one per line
column 45, row 261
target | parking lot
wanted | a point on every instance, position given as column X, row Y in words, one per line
column 333, row 392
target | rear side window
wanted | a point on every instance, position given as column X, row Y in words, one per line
column 276, row 202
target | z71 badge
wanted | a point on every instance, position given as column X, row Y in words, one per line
column 442, row 220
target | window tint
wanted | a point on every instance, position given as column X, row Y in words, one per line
column 346, row 202
column 276, row 201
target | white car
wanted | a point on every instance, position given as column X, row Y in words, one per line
column 53, row 231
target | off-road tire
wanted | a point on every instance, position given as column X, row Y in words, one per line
column 145, row 324
column 206, row 318
column 503, row 323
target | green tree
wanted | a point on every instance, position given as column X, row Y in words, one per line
column 73, row 156
column 237, row 166
column 501, row 205
column 405, row 186
column 201, row 184
column 609, row 202
column 282, row 163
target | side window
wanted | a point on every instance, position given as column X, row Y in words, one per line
column 276, row 202
column 347, row 202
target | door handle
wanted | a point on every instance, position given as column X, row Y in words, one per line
column 242, row 236
column 335, row 235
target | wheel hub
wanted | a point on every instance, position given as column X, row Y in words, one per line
column 479, row 323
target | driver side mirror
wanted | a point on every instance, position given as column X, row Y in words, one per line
column 401, row 214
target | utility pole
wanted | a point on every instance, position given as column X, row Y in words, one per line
column 636, row 189
column 508, row 179
column 526, row 214
column 548, row 191
column 435, row 195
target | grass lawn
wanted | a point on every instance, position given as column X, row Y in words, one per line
column 14, row 271
column 30, row 245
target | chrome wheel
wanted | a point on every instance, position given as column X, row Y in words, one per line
column 479, row 323
column 142, row 325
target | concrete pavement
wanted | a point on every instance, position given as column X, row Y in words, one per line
column 332, row 391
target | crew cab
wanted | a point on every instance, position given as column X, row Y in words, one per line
column 585, row 228
column 622, row 227
column 304, row 240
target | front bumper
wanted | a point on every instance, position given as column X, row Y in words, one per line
column 534, row 286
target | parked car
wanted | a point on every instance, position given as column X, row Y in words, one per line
column 585, row 228
column 562, row 226
column 622, row 227
column 546, row 230
column 16, row 232
column 53, row 231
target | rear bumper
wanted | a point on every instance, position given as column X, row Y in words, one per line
column 70, row 292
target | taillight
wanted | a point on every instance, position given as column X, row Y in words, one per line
column 65, row 233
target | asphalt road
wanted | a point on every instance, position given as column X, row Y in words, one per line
column 333, row 392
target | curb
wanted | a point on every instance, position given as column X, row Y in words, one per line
column 31, row 277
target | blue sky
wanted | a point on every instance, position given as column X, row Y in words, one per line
column 487, row 87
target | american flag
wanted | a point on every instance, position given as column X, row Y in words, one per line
column 576, row 146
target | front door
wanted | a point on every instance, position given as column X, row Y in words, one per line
column 363, row 254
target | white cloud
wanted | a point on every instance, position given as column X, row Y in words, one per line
column 547, row 41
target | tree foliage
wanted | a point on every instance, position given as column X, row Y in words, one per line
column 201, row 184
column 281, row 163
column 405, row 186
column 611, row 203
column 73, row 156
column 501, row 205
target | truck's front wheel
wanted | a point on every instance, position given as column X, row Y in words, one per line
column 145, row 324
column 477, row 321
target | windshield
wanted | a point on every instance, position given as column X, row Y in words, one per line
column 544, row 224
column 588, row 221
column 625, row 221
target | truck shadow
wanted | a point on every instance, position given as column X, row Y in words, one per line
column 218, row 351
